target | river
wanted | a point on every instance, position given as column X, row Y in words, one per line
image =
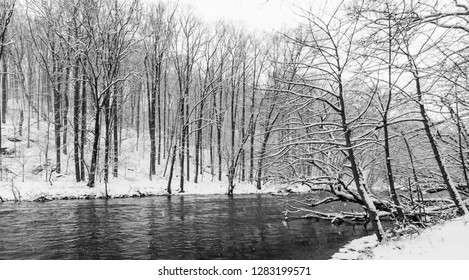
column 179, row 227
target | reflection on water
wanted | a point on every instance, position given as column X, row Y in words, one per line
column 180, row 227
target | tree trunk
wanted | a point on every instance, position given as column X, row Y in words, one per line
column 234, row 109
column 133, row 101
column 362, row 190
column 137, row 125
column 20, row 126
column 357, row 176
column 268, row 129
column 252, row 127
column 4, row 89
column 261, row 159
column 39, row 86
column 409, row 152
column 164, row 112
column 219, row 126
column 392, row 188
column 151, row 96
column 28, row 144
column 187, row 136
column 107, row 138
column 94, row 155
column 243, row 120
column 66, row 105
column 171, row 170
column 460, row 146
column 198, row 139
column 210, row 136
column 57, row 116
column 387, row 152
column 183, row 142
column 115, row 170
column 76, row 124
column 83, row 128
column 159, row 115
column 31, row 101
column 231, row 175
column 453, row 192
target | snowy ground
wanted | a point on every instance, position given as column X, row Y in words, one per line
column 67, row 189
column 447, row 241
column 25, row 170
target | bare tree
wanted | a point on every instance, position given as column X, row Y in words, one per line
column 109, row 30
column 186, row 50
column 208, row 85
column 50, row 47
column 329, row 44
column 159, row 30
column 416, row 41
column 7, row 8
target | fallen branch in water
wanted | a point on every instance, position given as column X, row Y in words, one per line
column 341, row 192
column 331, row 216
column 418, row 201
column 302, row 209
column 432, row 200
column 353, row 218
column 445, row 207
column 436, row 189
column 325, row 201
column 349, row 196
column 434, row 210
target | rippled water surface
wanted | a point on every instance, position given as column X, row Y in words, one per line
column 185, row 227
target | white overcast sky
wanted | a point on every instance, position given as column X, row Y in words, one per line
column 258, row 14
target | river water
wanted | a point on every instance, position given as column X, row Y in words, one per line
column 180, row 227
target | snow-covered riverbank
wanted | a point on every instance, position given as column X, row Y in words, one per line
column 67, row 189
column 25, row 176
column 446, row 241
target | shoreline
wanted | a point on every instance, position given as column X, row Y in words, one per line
column 117, row 189
column 357, row 249
column 44, row 198
column 445, row 240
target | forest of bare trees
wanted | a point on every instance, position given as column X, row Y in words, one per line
column 368, row 103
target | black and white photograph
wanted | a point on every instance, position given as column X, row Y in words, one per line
column 234, row 130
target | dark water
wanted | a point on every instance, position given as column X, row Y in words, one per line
column 190, row 227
